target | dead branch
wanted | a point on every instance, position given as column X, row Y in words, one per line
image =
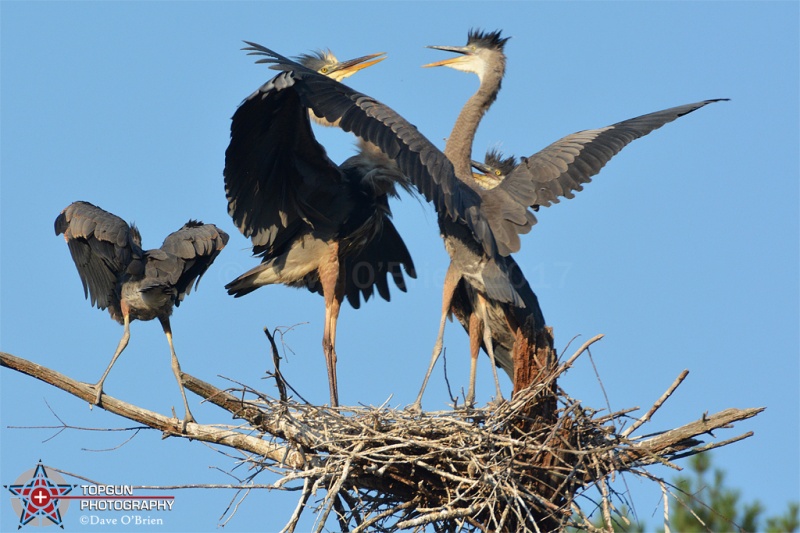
column 276, row 360
column 683, row 438
column 656, row 405
column 169, row 426
column 569, row 362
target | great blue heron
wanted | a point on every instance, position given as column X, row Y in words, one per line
column 470, row 292
column 136, row 284
column 314, row 224
column 486, row 223
column 558, row 170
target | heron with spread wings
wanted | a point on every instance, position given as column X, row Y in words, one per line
column 481, row 227
column 556, row 171
column 132, row 283
column 315, row 224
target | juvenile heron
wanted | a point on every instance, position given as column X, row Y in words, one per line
column 314, row 224
column 493, row 169
column 136, row 284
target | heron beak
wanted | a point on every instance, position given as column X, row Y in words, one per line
column 348, row 68
column 477, row 165
column 447, row 62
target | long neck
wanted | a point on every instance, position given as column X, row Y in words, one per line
column 458, row 147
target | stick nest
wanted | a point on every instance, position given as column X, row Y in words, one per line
column 497, row 468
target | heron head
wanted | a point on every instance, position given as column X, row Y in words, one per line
column 494, row 169
column 324, row 62
column 498, row 163
column 327, row 64
column 482, row 51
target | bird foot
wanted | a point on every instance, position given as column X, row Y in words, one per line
column 497, row 402
column 415, row 408
column 188, row 417
column 466, row 407
column 185, row 421
column 98, row 389
column 469, row 402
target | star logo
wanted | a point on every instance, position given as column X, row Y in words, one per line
column 39, row 497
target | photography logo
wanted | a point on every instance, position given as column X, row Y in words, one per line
column 37, row 497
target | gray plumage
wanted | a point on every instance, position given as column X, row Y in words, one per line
column 132, row 283
column 480, row 227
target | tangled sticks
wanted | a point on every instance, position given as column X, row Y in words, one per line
column 487, row 469
column 383, row 469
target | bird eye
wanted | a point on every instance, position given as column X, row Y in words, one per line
column 324, row 70
column 497, row 173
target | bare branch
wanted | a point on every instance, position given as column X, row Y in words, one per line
column 169, row 426
column 569, row 362
column 276, row 360
column 656, row 405
column 682, row 438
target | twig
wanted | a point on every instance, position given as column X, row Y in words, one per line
column 606, row 506
column 569, row 362
column 656, row 405
column 453, row 399
column 301, row 504
column 276, row 361
column 337, row 486
column 711, row 446
column 235, row 506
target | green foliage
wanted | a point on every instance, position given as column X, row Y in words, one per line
column 787, row 522
column 706, row 504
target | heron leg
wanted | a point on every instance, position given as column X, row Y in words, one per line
column 123, row 342
column 331, row 276
column 474, row 350
column 451, row 280
column 176, row 369
column 487, row 342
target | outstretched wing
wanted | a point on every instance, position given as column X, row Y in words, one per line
column 195, row 246
column 276, row 173
column 563, row 167
column 495, row 227
column 102, row 245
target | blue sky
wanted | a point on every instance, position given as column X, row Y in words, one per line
column 683, row 251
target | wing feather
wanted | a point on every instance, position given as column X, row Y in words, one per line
column 102, row 246
column 195, row 247
column 268, row 181
column 385, row 255
column 563, row 167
